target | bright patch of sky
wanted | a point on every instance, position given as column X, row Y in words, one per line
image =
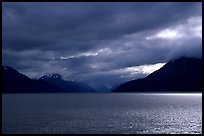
column 193, row 28
column 87, row 54
column 144, row 69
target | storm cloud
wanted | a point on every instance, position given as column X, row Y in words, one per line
column 98, row 42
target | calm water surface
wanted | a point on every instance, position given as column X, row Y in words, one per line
column 110, row 113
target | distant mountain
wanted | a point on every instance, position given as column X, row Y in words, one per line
column 179, row 75
column 67, row 86
column 15, row 82
column 100, row 87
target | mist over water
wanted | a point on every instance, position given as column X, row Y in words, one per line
column 102, row 113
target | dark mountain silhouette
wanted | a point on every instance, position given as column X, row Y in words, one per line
column 68, row 86
column 15, row 82
column 179, row 75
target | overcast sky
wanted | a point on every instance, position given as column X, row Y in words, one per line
column 96, row 42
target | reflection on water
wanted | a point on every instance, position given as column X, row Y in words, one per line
column 102, row 113
column 180, row 94
column 176, row 94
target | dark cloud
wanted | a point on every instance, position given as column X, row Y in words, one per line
column 96, row 41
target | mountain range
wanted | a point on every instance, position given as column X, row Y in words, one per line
column 178, row 75
column 15, row 82
column 67, row 86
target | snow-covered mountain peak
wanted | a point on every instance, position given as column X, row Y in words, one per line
column 52, row 76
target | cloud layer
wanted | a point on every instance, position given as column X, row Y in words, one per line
column 98, row 41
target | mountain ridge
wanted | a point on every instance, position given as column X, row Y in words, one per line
column 69, row 86
column 178, row 75
column 16, row 82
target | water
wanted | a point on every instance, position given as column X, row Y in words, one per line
column 101, row 113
